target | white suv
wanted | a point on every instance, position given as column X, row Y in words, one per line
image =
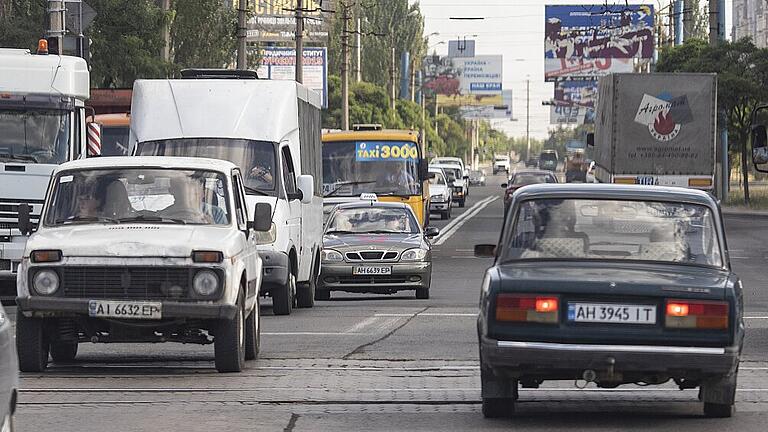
column 501, row 163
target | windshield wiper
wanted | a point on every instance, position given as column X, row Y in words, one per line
column 347, row 183
column 383, row 232
column 254, row 191
column 142, row 218
column 18, row 158
column 341, row 232
column 85, row 219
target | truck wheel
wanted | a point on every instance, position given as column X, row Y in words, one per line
column 31, row 344
column 422, row 293
column 322, row 295
column 498, row 407
column 305, row 291
column 63, row 352
column 282, row 297
column 253, row 333
column 229, row 341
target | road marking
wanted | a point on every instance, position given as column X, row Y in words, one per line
column 361, row 325
column 465, row 250
column 448, row 314
column 756, row 317
column 310, row 334
column 461, row 221
column 253, row 389
column 463, row 257
column 461, row 217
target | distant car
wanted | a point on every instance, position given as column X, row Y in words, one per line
column 591, row 173
column 501, row 163
column 525, row 178
column 548, row 160
column 459, row 183
column 9, row 373
column 164, row 253
column 375, row 247
column 477, row 178
column 441, row 194
column 532, row 162
column 611, row 284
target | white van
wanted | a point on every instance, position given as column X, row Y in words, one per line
column 271, row 131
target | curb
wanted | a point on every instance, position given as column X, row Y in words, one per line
column 745, row 212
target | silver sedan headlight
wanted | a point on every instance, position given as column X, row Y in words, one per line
column 331, row 255
column 205, row 283
column 46, row 282
column 417, row 254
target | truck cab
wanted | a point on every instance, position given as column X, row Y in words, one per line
column 42, row 119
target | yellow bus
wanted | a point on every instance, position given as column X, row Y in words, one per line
column 369, row 159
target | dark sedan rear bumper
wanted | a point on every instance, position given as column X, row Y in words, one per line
column 540, row 359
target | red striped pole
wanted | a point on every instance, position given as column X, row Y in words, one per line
column 94, row 139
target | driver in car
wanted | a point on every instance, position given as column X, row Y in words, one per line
column 189, row 203
column 261, row 177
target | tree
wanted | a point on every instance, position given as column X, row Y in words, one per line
column 742, row 70
column 127, row 40
column 22, row 23
column 203, row 34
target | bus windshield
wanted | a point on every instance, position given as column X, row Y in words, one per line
column 34, row 135
column 382, row 167
column 256, row 159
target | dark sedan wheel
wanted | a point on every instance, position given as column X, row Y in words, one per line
column 498, row 407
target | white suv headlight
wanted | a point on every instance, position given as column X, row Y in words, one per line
column 46, row 282
column 331, row 255
column 417, row 254
column 205, row 283
column 437, row 198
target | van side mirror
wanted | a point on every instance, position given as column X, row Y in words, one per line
column 25, row 225
column 485, row 251
column 262, row 218
column 591, row 139
column 759, row 145
column 306, row 185
column 430, row 232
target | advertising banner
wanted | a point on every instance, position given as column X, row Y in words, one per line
column 465, row 81
column 594, row 40
column 274, row 20
column 574, row 102
column 280, row 64
column 487, row 112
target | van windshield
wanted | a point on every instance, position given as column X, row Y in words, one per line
column 34, row 135
column 256, row 159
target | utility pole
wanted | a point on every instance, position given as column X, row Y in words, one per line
column 299, row 41
column 528, row 119
column 242, row 7
column 359, row 45
column 393, row 85
column 56, row 14
column 344, row 66
column 688, row 6
column 166, row 53
column 713, row 21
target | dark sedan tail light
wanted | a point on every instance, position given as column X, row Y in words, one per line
column 527, row 308
column 686, row 314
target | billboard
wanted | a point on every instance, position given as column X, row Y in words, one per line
column 588, row 41
column 280, row 64
column 461, row 48
column 487, row 112
column 465, row 81
column 574, row 102
column 274, row 20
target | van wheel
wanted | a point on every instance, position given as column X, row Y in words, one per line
column 282, row 297
column 31, row 344
column 253, row 333
column 63, row 352
column 229, row 341
column 305, row 291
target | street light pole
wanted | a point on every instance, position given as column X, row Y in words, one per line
column 528, row 119
column 299, row 41
column 345, row 67
column 241, row 35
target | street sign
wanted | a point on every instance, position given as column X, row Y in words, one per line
column 73, row 18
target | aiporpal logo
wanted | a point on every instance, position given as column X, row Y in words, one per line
column 664, row 115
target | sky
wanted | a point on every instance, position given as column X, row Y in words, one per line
column 514, row 29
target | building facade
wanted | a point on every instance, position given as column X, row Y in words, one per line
column 750, row 19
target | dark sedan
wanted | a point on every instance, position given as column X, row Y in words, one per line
column 524, row 178
column 375, row 247
column 611, row 285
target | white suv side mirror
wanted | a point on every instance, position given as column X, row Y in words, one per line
column 306, row 185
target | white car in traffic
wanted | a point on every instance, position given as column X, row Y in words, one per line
column 440, row 199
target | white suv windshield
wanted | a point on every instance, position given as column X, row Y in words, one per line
column 613, row 230
column 139, row 195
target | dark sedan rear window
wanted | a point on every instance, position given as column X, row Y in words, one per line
column 585, row 229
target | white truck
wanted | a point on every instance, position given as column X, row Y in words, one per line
column 42, row 124
column 501, row 163
column 271, row 130
column 656, row 129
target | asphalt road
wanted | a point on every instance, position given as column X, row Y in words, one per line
column 381, row 363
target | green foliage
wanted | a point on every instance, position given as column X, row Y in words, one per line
column 22, row 23
column 127, row 41
column 203, row 34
